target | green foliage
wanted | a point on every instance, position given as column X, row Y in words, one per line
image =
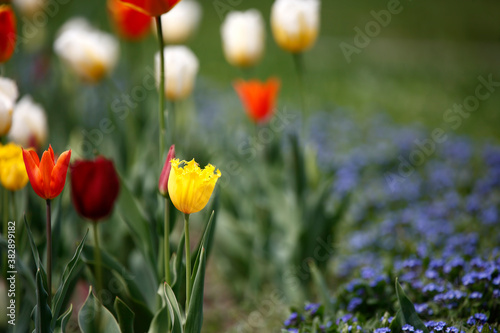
column 95, row 318
column 406, row 313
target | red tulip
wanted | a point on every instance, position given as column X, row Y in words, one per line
column 152, row 7
column 165, row 172
column 47, row 177
column 258, row 98
column 129, row 22
column 94, row 187
column 7, row 32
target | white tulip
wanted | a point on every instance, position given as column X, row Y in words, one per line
column 29, row 124
column 295, row 23
column 8, row 96
column 179, row 24
column 243, row 36
column 90, row 53
column 29, row 7
column 181, row 67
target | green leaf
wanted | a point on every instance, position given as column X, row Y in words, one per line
column 95, row 318
column 298, row 167
column 194, row 317
column 34, row 249
column 174, row 310
column 63, row 320
column 160, row 323
column 43, row 316
column 179, row 267
column 406, row 314
column 321, row 286
column 204, row 241
column 125, row 316
column 70, row 273
column 140, row 227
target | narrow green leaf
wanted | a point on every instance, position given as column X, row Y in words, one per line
column 298, row 167
column 63, row 320
column 160, row 321
column 95, row 318
column 34, row 249
column 321, row 286
column 407, row 313
column 179, row 269
column 125, row 316
column 43, row 316
column 194, row 317
column 207, row 235
column 70, row 273
column 174, row 310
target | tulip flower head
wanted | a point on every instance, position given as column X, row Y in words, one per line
column 8, row 96
column 181, row 67
column 48, row 176
column 94, row 187
column 7, row 32
column 13, row 174
column 258, row 98
column 165, row 172
column 30, row 7
column 90, row 53
column 29, row 124
column 243, row 37
column 190, row 187
column 295, row 24
column 179, row 24
column 129, row 23
column 152, row 7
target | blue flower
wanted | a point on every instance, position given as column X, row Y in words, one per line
column 408, row 328
column 354, row 303
column 382, row 330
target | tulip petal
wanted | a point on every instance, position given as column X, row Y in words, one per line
column 46, row 166
column 58, row 174
column 31, row 163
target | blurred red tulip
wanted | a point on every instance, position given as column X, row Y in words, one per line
column 7, row 32
column 94, row 187
column 129, row 22
column 47, row 177
column 163, row 182
column 152, row 7
column 258, row 98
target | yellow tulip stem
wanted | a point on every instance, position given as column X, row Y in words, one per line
column 162, row 87
column 167, row 242
column 97, row 259
column 188, row 261
column 49, row 252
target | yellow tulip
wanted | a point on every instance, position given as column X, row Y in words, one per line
column 13, row 174
column 190, row 187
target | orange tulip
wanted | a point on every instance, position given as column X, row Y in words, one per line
column 258, row 98
column 152, row 7
column 7, row 32
column 129, row 22
column 47, row 177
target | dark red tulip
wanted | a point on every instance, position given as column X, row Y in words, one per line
column 94, row 187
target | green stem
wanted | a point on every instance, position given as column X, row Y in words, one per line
column 188, row 260
column 162, row 86
column 49, row 251
column 299, row 68
column 167, row 242
column 97, row 257
column 14, row 206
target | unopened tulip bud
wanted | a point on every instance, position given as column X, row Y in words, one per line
column 179, row 24
column 165, row 172
column 29, row 124
column 8, row 96
column 7, row 32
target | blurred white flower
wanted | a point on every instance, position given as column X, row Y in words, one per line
column 179, row 24
column 29, row 7
column 243, row 37
column 181, row 67
column 90, row 53
column 295, row 23
column 29, row 124
column 8, row 96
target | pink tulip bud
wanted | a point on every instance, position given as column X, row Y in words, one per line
column 163, row 183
